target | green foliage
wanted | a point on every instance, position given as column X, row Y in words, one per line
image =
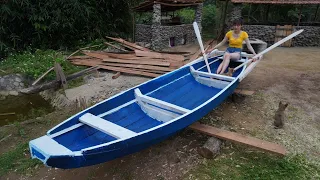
column 209, row 16
column 187, row 15
column 35, row 64
column 239, row 164
column 17, row 159
column 57, row 24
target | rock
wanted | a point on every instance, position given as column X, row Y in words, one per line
column 211, row 148
column 18, row 79
column 16, row 84
column 13, row 93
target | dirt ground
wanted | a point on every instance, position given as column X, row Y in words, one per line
column 285, row 74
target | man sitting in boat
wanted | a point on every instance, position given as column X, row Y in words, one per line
column 235, row 38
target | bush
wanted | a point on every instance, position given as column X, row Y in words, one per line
column 58, row 24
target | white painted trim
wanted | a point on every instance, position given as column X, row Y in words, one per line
column 216, row 76
column 162, row 104
column 106, row 126
column 166, row 123
column 212, row 82
column 116, row 109
column 65, row 130
column 158, row 113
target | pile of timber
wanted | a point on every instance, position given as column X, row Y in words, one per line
column 133, row 59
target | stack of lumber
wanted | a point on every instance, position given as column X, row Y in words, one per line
column 133, row 59
column 137, row 60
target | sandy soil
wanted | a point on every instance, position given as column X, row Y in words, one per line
column 285, row 74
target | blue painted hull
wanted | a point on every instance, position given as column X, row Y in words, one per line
column 194, row 96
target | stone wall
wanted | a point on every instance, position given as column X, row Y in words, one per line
column 183, row 34
column 310, row 36
column 10, row 84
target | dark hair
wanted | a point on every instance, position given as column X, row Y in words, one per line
column 238, row 22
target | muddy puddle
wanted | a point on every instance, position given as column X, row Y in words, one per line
column 21, row 108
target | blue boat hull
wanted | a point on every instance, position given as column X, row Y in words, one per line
column 102, row 153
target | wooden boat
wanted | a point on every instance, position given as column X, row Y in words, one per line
column 137, row 118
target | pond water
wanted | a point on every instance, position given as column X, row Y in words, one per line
column 21, row 108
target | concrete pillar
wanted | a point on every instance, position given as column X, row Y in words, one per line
column 156, row 27
column 198, row 16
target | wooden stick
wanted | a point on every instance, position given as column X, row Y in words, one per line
column 55, row 83
column 36, row 81
column 82, row 49
column 239, row 138
column 197, row 31
column 116, row 75
column 270, row 48
column 5, row 138
column 114, row 46
column 7, row 114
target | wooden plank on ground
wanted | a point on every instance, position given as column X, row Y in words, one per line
column 130, row 44
column 139, row 66
column 116, row 69
column 156, row 55
column 156, row 63
column 239, row 138
column 129, row 71
column 79, row 57
column 244, row 92
column 109, row 44
column 96, row 55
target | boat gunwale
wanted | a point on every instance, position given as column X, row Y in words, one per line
column 80, row 152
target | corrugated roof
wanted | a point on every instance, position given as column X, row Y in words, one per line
column 166, row 5
column 277, row 1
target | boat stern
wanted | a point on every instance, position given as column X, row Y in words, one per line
column 45, row 147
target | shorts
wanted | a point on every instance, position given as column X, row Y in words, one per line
column 233, row 50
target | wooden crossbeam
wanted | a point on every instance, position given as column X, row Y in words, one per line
column 239, row 138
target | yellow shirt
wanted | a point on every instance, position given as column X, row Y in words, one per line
column 236, row 42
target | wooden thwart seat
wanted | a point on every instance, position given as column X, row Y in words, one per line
column 205, row 78
column 106, row 126
column 158, row 109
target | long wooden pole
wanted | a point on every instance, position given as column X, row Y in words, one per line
column 270, row 48
column 197, row 31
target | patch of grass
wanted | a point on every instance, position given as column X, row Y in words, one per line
column 239, row 164
column 17, row 160
column 37, row 63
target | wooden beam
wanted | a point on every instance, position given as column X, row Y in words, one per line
column 129, row 44
column 109, row 44
column 156, row 63
column 139, row 66
column 316, row 14
column 239, row 138
column 157, row 55
column 300, row 15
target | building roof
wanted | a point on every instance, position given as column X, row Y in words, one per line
column 166, row 5
column 277, row 1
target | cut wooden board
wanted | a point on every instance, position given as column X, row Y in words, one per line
column 79, row 57
column 156, row 55
column 116, row 69
column 96, row 55
column 139, row 66
column 116, row 75
column 109, row 44
column 129, row 44
column 156, row 63
column 244, row 92
column 239, row 138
